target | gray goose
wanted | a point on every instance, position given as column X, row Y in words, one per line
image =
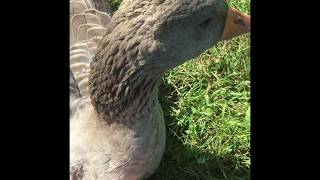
column 117, row 128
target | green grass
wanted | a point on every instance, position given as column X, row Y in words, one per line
column 206, row 102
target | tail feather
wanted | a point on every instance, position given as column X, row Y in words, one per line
column 74, row 90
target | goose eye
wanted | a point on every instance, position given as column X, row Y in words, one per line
column 206, row 22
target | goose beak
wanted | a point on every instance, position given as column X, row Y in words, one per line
column 237, row 23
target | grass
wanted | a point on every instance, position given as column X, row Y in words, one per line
column 206, row 103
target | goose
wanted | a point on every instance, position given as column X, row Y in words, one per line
column 117, row 127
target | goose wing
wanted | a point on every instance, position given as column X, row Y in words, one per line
column 88, row 22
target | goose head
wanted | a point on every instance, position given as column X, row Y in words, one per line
column 146, row 38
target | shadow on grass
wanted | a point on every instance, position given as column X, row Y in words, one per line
column 181, row 161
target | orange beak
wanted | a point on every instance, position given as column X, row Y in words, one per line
column 237, row 23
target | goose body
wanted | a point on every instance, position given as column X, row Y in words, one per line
column 114, row 151
column 117, row 128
